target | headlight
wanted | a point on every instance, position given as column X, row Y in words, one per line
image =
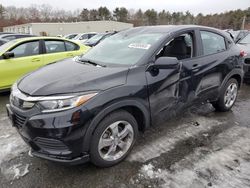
column 64, row 103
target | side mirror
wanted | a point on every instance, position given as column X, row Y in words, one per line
column 165, row 63
column 8, row 55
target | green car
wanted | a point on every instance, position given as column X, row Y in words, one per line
column 21, row 56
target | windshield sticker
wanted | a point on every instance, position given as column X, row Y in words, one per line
column 139, row 46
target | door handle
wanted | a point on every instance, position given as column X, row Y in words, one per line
column 36, row 60
column 196, row 67
column 70, row 55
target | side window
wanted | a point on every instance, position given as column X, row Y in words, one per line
column 71, row 46
column 212, row 43
column 83, row 37
column 91, row 35
column 26, row 49
column 54, row 46
column 180, row 47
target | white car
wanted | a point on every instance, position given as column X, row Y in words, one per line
column 71, row 36
column 82, row 37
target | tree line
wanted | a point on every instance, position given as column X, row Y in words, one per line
column 12, row 15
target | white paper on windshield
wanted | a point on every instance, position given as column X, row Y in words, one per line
column 139, row 46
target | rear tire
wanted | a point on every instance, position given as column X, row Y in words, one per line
column 113, row 139
column 227, row 96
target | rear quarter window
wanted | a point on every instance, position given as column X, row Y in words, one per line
column 71, row 46
column 212, row 43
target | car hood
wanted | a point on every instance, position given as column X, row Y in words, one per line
column 89, row 43
column 69, row 76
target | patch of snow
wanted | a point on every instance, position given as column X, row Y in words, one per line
column 11, row 146
column 148, row 170
column 226, row 168
column 5, row 136
column 3, row 118
column 16, row 171
column 30, row 154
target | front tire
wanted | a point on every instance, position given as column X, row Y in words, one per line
column 113, row 139
column 227, row 96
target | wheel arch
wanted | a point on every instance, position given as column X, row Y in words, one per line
column 133, row 106
column 236, row 74
column 238, row 78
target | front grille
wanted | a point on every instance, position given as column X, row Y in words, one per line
column 50, row 144
column 19, row 120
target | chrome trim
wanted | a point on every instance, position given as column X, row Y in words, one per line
column 58, row 109
column 17, row 93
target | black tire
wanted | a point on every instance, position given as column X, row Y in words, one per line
column 120, row 115
column 220, row 105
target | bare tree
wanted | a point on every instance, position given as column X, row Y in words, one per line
column 2, row 12
column 45, row 12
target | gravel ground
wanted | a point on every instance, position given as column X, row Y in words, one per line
column 200, row 148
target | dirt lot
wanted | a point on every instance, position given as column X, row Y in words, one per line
column 200, row 148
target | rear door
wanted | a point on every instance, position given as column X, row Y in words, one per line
column 27, row 57
column 56, row 50
column 212, row 66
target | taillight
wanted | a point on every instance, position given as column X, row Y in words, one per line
column 243, row 53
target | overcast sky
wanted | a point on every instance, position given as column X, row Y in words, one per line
column 194, row 6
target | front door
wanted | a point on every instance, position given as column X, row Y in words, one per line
column 169, row 89
column 26, row 59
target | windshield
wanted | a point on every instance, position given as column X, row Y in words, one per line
column 6, row 46
column 245, row 40
column 77, row 36
column 95, row 38
column 122, row 48
column 234, row 33
column 71, row 36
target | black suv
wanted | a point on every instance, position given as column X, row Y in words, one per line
column 93, row 108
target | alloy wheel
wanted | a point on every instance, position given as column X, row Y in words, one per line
column 116, row 140
column 230, row 95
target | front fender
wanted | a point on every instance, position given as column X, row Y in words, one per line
column 92, row 125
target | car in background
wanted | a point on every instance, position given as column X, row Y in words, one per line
column 238, row 35
column 2, row 41
column 21, row 56
column 71, row 36
column 82, row 37
column 92, row 110
column 93, row 41
column 244, row 44
column 10, row 37
column 4, row 33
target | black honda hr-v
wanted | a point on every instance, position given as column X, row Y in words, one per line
column 92, row 109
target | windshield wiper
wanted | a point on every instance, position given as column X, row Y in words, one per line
column 90, row 62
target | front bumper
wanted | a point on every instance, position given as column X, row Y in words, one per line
column 56, row 136
column 75, row 161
